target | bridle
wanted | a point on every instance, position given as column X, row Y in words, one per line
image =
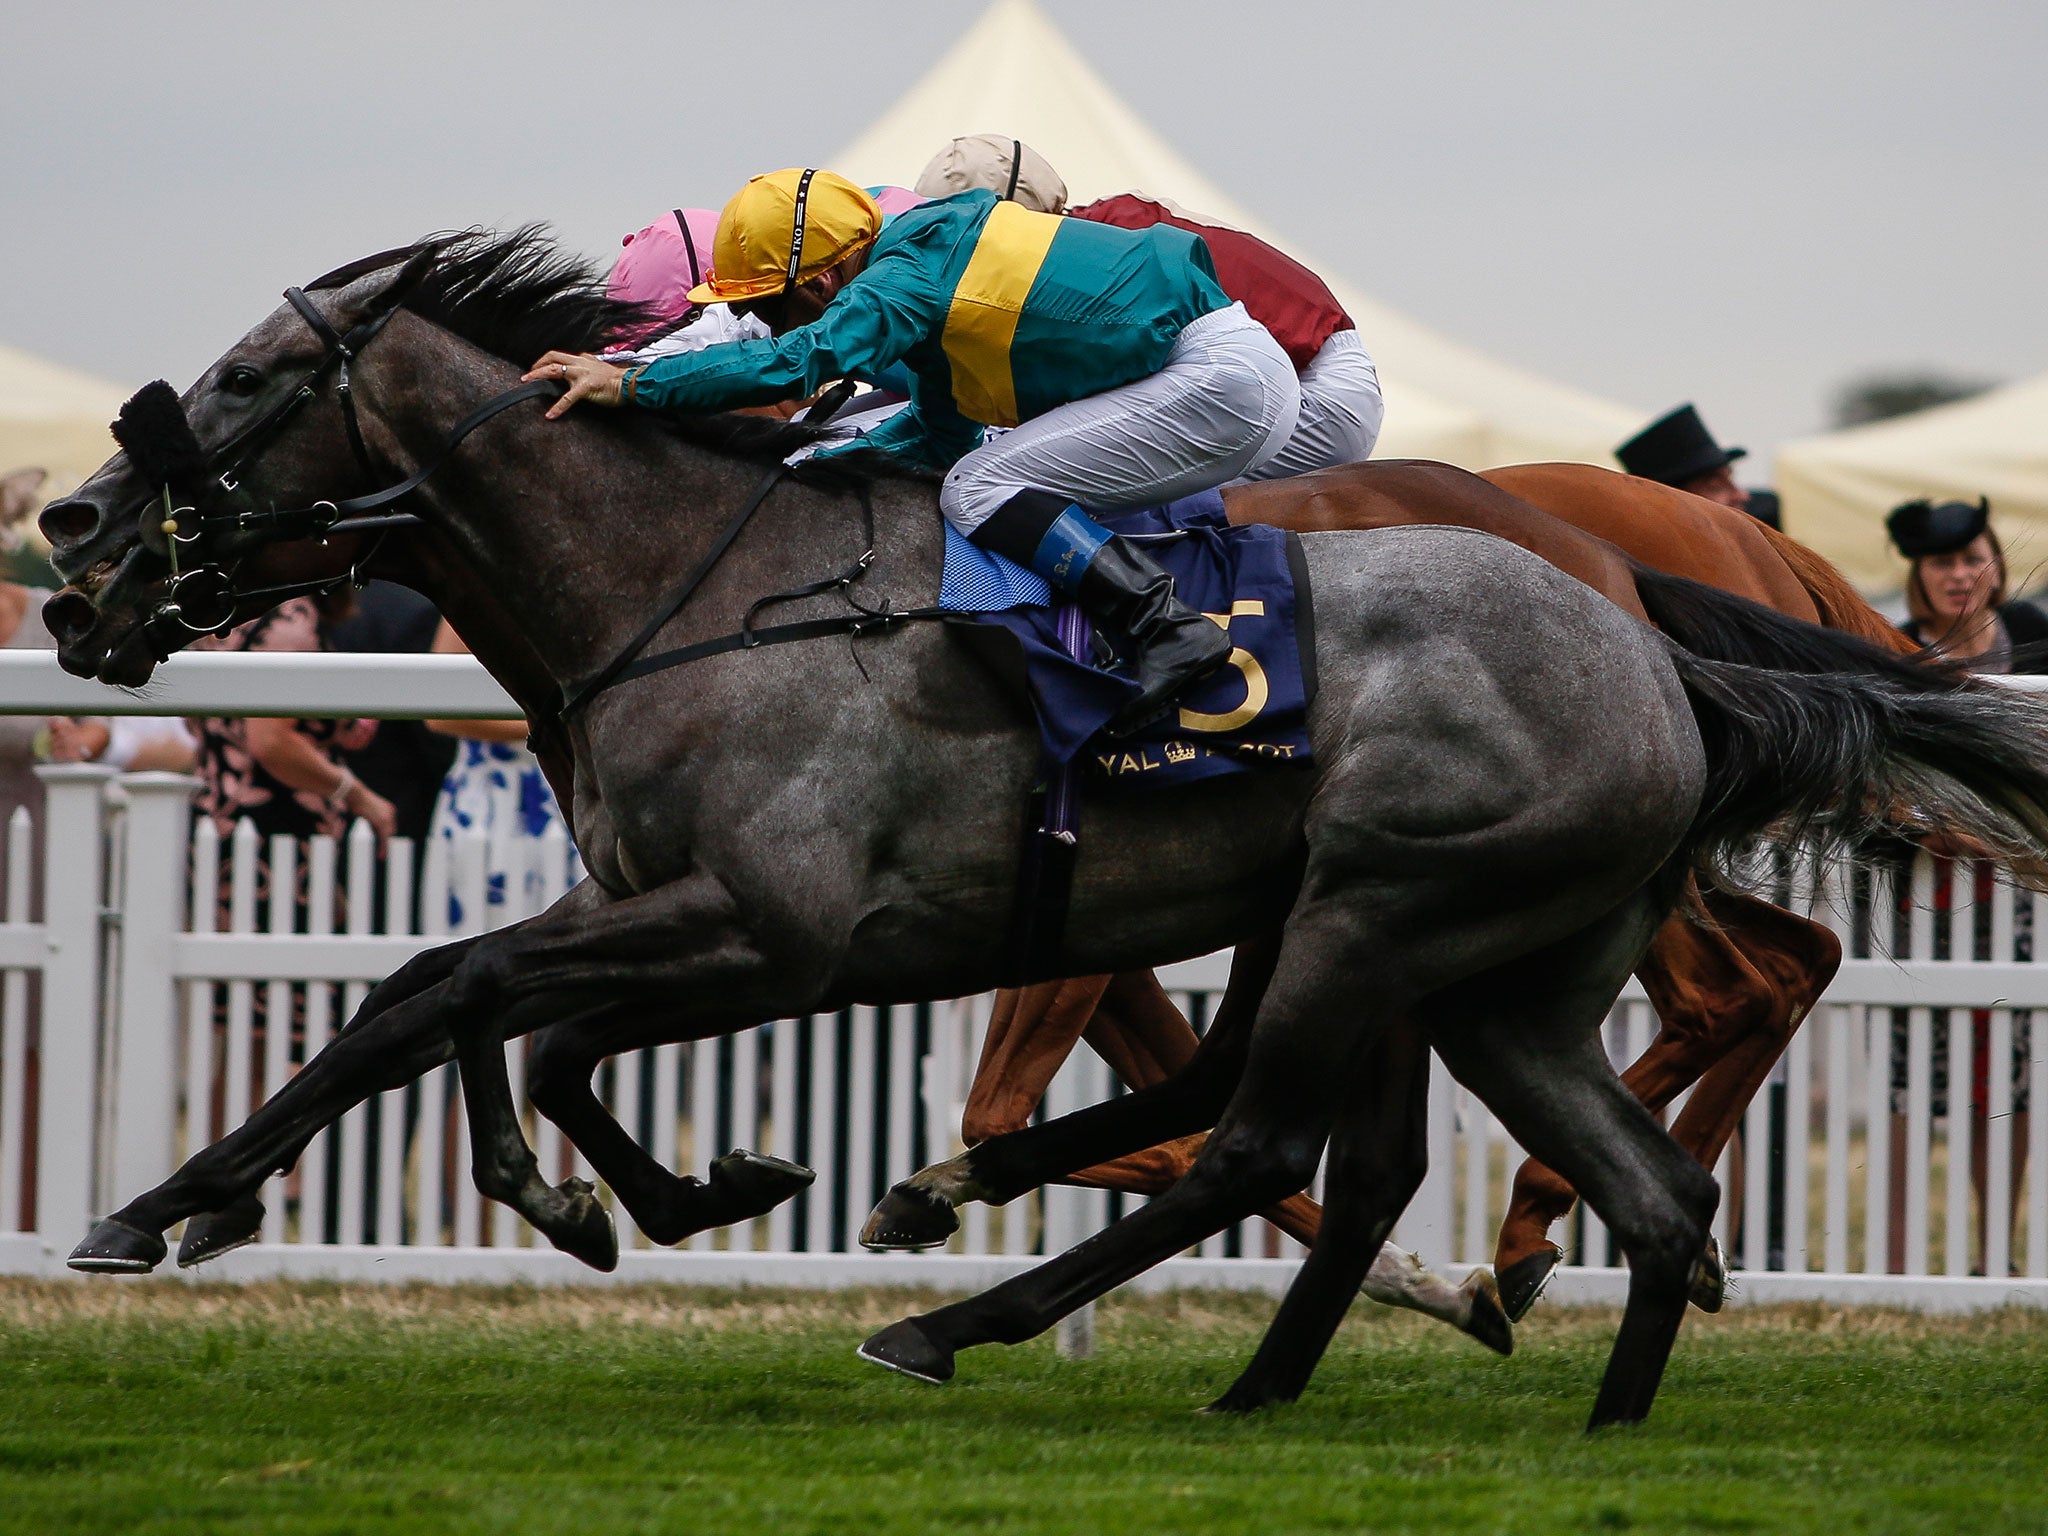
column 202, row 535
column 205, row 598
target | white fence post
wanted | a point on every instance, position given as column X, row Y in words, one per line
column 142, row 1037
column 1066, row 1213
column 68, row 1095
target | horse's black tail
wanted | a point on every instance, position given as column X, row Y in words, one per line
column 1817, row 733
column 1845, row 757
column 1723, row 627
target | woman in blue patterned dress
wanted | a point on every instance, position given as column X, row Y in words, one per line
column 496, row 787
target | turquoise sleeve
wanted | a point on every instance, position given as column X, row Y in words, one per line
column 878, row 317
column 919, row 435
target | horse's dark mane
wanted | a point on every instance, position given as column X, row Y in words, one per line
column 515, row 295
column 518, row 295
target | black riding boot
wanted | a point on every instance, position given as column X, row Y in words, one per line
column 1125, row 589
column 1117, row 585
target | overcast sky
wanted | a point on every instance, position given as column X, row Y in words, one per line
column 1739, row 203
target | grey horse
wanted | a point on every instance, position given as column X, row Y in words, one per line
column 1510, row 780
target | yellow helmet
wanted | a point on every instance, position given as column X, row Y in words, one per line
column 783, row 229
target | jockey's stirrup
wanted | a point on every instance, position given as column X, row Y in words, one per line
column 1118, row 586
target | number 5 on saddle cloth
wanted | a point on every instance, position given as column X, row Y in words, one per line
column 1252, row 714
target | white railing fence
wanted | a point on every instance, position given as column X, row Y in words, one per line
column 166, row 991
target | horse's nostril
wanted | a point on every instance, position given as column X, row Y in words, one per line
column 68, row 522
column 69, row 616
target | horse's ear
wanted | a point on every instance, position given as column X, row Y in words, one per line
column 390, row 287
column 374, row 290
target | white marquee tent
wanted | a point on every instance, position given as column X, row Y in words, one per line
column 1013, row 73
column 54, row 418
column 1838, row 487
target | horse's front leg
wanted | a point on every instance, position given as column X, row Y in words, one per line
column 668, row 1208
column 240, row 1221
column 396, row 1036
column 918, row 1213
column 681, row 941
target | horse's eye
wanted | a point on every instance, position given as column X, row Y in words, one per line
column 241, row 379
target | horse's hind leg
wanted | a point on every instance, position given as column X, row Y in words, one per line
column 1378, row 1155
column 1797, row 958
column 1145, row 1039
column 1725, row 993
column 1542, row 1070
column 1265, row 1147
column 563, row 1060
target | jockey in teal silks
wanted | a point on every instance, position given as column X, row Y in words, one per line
column 1128, row 376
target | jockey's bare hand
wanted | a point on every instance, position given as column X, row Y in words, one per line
column 589, row 378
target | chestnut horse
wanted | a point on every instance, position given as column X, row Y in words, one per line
column 1729, row 992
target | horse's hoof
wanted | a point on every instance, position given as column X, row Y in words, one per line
column 219, row 1232
column 1237, row 1401
column 755, row 1183
column 590, row 1233
column 115, row 1248
column 905, row 1347
column 1489, row 1320
column 1524, row 1280
column 909, row 1217
column 1709, row 1289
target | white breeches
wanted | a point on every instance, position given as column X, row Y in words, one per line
column 1341, row 411
column 1224, row 403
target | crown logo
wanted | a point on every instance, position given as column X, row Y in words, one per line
column 1179, row 752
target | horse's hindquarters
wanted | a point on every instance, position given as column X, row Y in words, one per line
column 1487, row 728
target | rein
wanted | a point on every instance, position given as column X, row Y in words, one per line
column 204, row 599
column 628, row 665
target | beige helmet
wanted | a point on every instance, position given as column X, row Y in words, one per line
column 1008, row 167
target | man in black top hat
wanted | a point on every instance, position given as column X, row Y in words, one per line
column 1678, row 450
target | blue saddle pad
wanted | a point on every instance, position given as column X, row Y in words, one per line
column 1251, row 714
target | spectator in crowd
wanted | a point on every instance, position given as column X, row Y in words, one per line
column 403, row 760
column 496, row 787
column 1956, row 595
column 21, row 628
column 1677, row 450
column 1956, row 588
column 285, row 776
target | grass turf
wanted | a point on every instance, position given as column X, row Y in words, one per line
column 159, row 1407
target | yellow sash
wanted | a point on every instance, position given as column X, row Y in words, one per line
column 981, row 323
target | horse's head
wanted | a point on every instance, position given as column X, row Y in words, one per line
column 209, row 515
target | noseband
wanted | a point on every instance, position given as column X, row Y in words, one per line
column 203, row 596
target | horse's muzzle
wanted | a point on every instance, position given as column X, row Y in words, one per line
column 72, row 620
column 70, row 523
column 89, row 646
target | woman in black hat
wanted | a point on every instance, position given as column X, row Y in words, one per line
column 1956, row 593
column 1956, row 589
